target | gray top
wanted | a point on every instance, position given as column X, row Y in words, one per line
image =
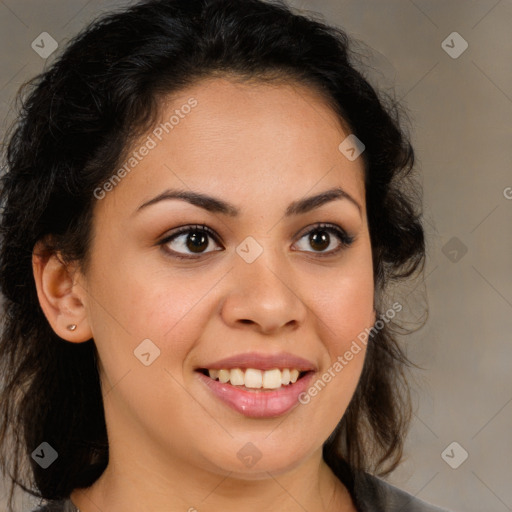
column 370, row 494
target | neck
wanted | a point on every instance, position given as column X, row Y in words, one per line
column 133, row 486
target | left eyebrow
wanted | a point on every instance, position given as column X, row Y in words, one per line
column 216, row 205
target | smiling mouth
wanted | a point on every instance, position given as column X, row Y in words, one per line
column 253, row 379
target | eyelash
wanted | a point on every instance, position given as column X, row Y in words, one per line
column 344, row 238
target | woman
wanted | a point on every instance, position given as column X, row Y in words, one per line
column 204, row 202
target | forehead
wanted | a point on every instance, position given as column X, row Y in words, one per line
column 233, row 109
column 224, row 136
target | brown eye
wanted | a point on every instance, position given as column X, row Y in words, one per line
column 321, row 238
column 190, row 240
column 197, row 241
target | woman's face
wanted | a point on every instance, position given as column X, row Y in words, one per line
column 263, row 288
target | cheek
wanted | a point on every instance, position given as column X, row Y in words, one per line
column 147, row 306
column 145, row 302
column 345, row 306
column 344, row 316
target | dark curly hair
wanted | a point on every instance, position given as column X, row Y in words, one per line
column 75, row 122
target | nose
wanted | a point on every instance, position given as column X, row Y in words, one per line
column 263, row 297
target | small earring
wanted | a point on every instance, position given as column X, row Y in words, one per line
column 72, row 327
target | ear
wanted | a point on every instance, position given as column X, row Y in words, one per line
column 62, row 298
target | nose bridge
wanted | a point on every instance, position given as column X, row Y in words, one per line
column 261, row 266
column 262, row 292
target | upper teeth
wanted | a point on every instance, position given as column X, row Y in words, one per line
column 253, row 378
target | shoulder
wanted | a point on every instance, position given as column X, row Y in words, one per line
column 64, row 505
column 373, row 494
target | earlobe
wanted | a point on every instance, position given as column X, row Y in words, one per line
column 61, row 298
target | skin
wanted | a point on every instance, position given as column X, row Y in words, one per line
column 173, row 445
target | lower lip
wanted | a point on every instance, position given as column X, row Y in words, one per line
column 259, row 403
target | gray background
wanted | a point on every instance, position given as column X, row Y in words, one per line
column 461, row 112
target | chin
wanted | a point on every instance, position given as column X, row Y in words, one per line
column 251, row 463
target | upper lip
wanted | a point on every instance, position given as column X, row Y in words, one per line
column 261, row 362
